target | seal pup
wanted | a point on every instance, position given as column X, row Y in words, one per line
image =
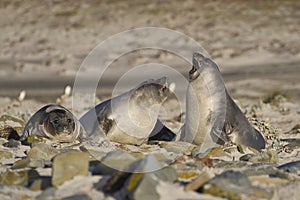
column 128, row 118
column 53, row 122
column 211, row 112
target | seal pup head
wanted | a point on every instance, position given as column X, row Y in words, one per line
column 53, row 122
column 154, row 90
column 59, row 122
column 203, row 66
column 151, row 92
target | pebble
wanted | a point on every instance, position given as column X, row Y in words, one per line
column 266, row 156
column 202, row 179
column 8, row 132
column 144, row 186
column 42, row 151
column 79, row 185
column 23, row 177
column 5, row 154
column 119, row 160
column 68, row 165
column 230, row 184
column 178, row 147
column 292, row 167
column 12, row 143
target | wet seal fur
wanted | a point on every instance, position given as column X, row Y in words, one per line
column 207, row 94
column 53, row 122
column 129, row 118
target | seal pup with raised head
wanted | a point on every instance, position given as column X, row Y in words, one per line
column 212, row 112
column 53, row 122
column 130, row 117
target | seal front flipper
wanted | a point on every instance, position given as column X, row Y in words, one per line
column 161, row 132
column 242, row 131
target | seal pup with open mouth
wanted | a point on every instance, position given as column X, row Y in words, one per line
column 211, row 114
column 130, row 117
column 53, row 122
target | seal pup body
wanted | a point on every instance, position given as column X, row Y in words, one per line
column 130, row 117
column 212, row 113
column 55, row 123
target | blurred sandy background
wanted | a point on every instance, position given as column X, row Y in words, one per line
column 255, row 43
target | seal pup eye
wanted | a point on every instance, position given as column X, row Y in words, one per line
column 69, row 120
column 55, row 122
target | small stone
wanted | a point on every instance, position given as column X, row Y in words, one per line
column 28, row 162
column 167, row 174
column 18, row 177
column 292, row 167
column 265, row 180
column 266, row 156
column 12, row 143
column 168, row 191
column 144, row 186
column 260, row 170
column 77, row 186
column 293, row 143
column 68, row 165
column 98, row 168
column 290, row 191
column 294, row 130
column 49, row 193
column 230, row 184
column 19, row 164
column 41, row 184
column 9, row 132
column 118, row 159
column 178, row 147
column 42, row 151
column 36, row 163
column 5, row 154
column 197, row 183
column 216, row 152
column 186, row 172
column 229, row 164
column 116, row 182
column 147, row 164
column 97, row 148
column 138, row 185
column 78, row 197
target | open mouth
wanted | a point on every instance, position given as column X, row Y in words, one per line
column 164, row 87
column 193, row 70
column 193, row 73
